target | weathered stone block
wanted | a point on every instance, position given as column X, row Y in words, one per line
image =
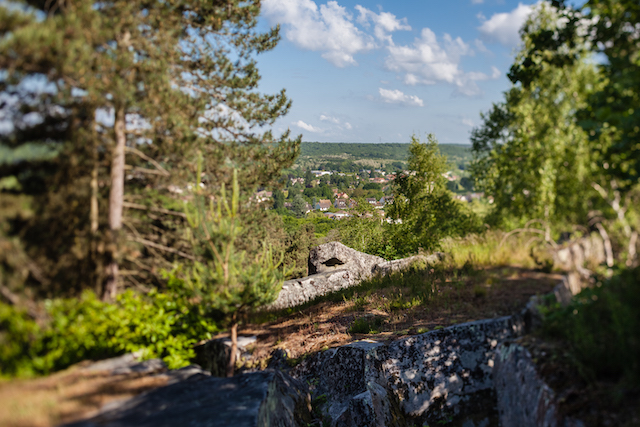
column 436, row 375
column 523, row 398
column 334, row 256
column 350, row 379
column 298, row 291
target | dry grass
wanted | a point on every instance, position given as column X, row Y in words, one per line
column 491, row 250
column 398, row 310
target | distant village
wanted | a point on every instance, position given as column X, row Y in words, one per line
column 336, row 194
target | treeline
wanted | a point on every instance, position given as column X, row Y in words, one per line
column 392, row 151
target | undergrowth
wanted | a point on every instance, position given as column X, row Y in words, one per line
column 157, row 325
column 600, row 329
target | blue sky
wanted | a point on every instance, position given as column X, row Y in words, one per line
column 379, row 71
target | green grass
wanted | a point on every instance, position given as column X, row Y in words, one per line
column 366, row 325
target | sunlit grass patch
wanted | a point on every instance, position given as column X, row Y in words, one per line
column 490, row 249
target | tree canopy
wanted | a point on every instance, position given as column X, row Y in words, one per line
column 152, row 83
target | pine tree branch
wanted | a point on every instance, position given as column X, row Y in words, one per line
column 161, row 247
column 154, row 209
column 144, row 170
column 140, row 154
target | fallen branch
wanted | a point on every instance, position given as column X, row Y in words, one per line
column 143, row 170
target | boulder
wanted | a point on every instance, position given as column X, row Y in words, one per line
column 334, row 266
column 298, row 291
column 261, row 399
column 334, row 256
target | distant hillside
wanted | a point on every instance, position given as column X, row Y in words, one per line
column 315, row 152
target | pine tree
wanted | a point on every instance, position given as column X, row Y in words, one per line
column 174, row 77
column 227, row 280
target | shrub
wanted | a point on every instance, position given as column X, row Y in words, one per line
column 157, row 324
column 601, row 328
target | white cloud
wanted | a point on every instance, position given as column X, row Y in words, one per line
column 384, row 23
column 329, row 119
column 335, row 121
column 480, row 46
column 397, row 97
column 495, row 73
column 477, row 1
column 468, row 122
column 428, row 62
column 503, row 27
column 328, row 29
column 307, row 127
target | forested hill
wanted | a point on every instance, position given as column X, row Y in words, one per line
column 394, row 151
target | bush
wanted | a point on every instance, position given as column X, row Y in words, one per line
column 157, row 324
column 366, row 325
column 601, row 329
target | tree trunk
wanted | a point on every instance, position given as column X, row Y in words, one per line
column 116, row 199
column 234, row 347
column 94, row 218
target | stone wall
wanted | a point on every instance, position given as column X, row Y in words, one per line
column 442, row 374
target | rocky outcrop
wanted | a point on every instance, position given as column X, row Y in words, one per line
column 523, row 398
column 334, row 256
column 260, row 399
column 348, row 384
column 334, row 266
column 298, row 291
column 447, row 373
column 404, row 263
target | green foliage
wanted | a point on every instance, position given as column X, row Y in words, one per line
column 423, row 211
column 299, row 206
column 174, row 69
column 159, row 325
column 601, row 329
column 227, row 280
column 530, row 154
column 368, row 235
column 366, row 325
